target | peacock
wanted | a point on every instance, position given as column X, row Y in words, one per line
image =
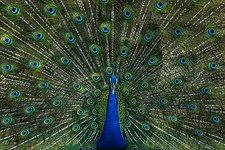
column 112, row 74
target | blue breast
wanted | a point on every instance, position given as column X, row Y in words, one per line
column 111, row 138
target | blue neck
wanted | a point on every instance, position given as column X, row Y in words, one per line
column 111, row 138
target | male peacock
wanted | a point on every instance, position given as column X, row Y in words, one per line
column 112, row 74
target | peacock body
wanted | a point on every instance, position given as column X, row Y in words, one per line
column 112, row 74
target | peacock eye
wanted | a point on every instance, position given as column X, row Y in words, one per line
column 57, row 102
column 128, row 76
column 29, row 109
column 145, row 127
column 198, row 132
column 8, row 67
column 6, row 120
column 15, row 94
column 51, row 10
column 205, row 90
column 81, row 111
column 96, row 77
column 132, row 101
column 95, row 50
column 76, row 127
column 79, row 19
column 43, row 85
column 48, row 121
column 212, row 66
column 105, row 30
column 24, row 133
column 144, row 85
column 36, row 64
column 172, row 118
column 123, row 52
column 81, row 148
column 211, row 31
column 192, row 106
column 65, row 60
column 90, row 101
column 14, row 10
column 97, row 92
column 163, row 101
column 8, row 40
column 77, row 86
column 151, row 60
column 177, row 81
column 94, row 125
column 182, row 60
column 71, row 38
column 177, row 32
column 125, row 92
column 127, row 12
column 39, row 35
column 148, row 37
column 140, row 111
column 215, row 119
column 159, row 5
